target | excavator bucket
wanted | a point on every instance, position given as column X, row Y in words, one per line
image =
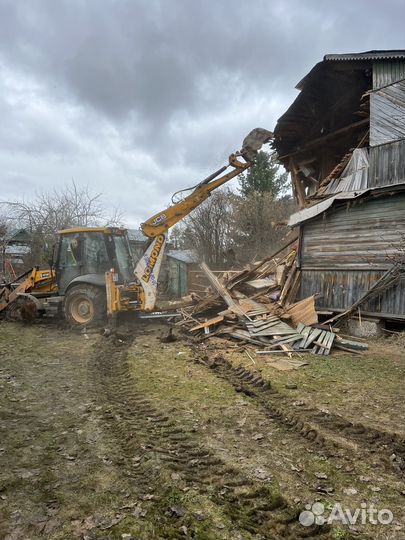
column 253, row 142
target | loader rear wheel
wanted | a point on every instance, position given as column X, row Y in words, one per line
column 13, row 311
column 85, row 305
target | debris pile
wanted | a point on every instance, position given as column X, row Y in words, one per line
column 257, row 306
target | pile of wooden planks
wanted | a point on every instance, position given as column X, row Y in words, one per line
column 320, row 340
column 257, row 306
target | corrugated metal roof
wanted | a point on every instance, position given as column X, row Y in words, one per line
column 17, row 250
column 184, row 255
column 313, row 211
column 354, row 176
column 368, row 55
column 136, row 235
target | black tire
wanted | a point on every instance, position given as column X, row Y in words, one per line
column 13, row 311
column 85, row 305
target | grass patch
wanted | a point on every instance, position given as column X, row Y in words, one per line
column 367, row 388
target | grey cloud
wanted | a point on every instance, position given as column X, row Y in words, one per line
column 152, row 57
column 155, row 92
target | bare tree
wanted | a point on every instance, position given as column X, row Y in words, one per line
column 4, row 227
column 260, row 224
column 229, row 229
column 71, row 206
column 207, row 229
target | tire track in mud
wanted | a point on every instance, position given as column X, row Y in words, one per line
column 158, row 446
column 326, row 430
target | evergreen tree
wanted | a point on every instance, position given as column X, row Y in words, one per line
column 264, row 177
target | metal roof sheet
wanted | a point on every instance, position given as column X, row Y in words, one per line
column 17, row 250
column 368, row 55
column 313, row 211
column 136, row 235
column 308, row 213
column 185, row 255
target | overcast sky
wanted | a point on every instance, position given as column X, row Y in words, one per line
column 139, row 98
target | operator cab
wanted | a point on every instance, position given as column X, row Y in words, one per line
column 85, row 254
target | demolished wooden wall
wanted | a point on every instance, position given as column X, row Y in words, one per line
column 345, row 251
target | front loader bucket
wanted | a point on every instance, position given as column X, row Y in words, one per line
column 253, row 142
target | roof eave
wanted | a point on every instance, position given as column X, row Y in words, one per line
column 313, row 211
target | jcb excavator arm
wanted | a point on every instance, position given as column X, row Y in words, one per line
column 161, row 222
column 156, row 227
column 148, row 267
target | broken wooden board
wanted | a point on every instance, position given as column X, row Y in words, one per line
column 206, row 324
column 284, row 341
column 207, row 303
column 328, row 343
column 323, row 344
column 259, row 318
column 281, row 274
column 243, row 335
column 272, row 326
column 312, row 336
column 349, row 344
column 294, row 288
column 263, row 283
column 287, row 284
column 309, row 335
column 261, row 267
column 303, row 312
column 222, row 291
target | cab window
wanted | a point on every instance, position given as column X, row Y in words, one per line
column 123, row 257
column 70, row 251
column 95, row 253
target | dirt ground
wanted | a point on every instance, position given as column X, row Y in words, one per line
column 128, row 438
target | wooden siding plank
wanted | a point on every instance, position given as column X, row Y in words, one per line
column 365, row 235
column 387, row 164
column 339, row 289
column 387, row 114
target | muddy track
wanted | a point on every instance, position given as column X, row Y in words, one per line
column 157, row 446
column 326, row 430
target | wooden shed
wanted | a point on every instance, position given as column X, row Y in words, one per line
column 180, row 263
column 343, row 140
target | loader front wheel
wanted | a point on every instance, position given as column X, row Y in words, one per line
column 85, row 305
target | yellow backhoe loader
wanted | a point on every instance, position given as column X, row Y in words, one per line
column 93, row 273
